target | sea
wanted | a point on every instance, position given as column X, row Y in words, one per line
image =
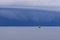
column 29, row 33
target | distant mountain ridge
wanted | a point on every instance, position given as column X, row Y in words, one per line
column 28, row 17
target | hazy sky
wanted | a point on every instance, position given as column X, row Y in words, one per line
column 31, row 2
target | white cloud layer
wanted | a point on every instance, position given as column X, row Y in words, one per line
column 7, row 2
column 31, row 2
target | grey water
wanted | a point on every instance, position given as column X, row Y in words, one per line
column 29, row 33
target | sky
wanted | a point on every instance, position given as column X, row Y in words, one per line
column 31, row 2
column 36, row 4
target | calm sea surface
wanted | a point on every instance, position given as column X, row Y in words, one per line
column 29, row 33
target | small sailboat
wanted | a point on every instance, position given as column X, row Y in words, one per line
column 39, row 26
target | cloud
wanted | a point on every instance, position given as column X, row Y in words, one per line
column 39, row 2
column 31, row 2
column 7, row 2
